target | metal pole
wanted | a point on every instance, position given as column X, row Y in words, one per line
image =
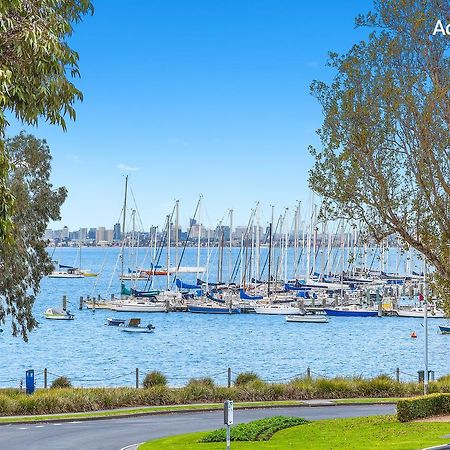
column 397, row 374
column 425, row 325
column 229, row 377
column 45, row 378
column 137, row 377
column 308, row 372
column 228, row 437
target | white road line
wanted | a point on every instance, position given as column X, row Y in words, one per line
column 23, row 428
column 75, row 422
column 56, row 424
column 39, row 426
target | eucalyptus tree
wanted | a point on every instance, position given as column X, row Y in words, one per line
column 385, row 143
column 24, row 259
column 37, row 69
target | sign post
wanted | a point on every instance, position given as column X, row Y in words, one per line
column 228, row 418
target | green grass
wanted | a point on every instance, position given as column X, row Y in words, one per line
column 145, row 410
column 357, row 433
column 349, row 401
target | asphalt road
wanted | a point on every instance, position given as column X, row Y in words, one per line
column 113, row 434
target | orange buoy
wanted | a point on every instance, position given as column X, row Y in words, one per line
column 413, row 335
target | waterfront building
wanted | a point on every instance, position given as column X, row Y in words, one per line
column 117, row 235
column 100, row 234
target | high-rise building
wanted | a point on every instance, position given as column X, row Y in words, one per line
column 92, row 233
column 65, row 233
column 83, row 234
column 100, row 234
column 117, row 233
column 109, row 235
column 222, row 232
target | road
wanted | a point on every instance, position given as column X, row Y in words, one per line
column 113, row 434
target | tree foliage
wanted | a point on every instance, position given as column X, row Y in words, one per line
column 37, row 67
column 24, row 261
column 385, row 156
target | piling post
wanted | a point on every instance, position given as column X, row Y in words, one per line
column 45, row 378
column 137, row 378
column 397, row 374
column 308, row 372
column 81, row 303
column 64, row 302
column 229, row 377
column 112, row 296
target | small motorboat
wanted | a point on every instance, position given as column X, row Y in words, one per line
column 134, row 326
column 308, row 318
column 444, row 329
column 115, row 322
column 58, row 314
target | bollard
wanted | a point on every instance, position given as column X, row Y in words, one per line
column 112, row 296
column 64, row 301
column 308, row 372
column 137, row 378
column 45, row 378
column 229, row 377
column 81, row 303
column 397, row 374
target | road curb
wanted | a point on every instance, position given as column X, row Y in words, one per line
column 132, row 446
column 184, row 411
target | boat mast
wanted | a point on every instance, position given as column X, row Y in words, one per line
column 230, row 255
column 308, row 240
column 314, row 241
column 199, row 233
column 270, row 260
column 297, row 211
column 176, row 237
column 168, row 252
column 123, row 229
column 133, row 248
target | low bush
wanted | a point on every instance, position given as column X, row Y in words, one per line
column 422, row 407
column 206, row 382
column 155, row 378
column 258, row 430
column 246, row 377
column 61, row 382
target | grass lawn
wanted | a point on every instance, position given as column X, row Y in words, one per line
column 381, row 432
column 145, row 410
column 345, row 401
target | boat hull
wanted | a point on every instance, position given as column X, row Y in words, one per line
column 139, row 308
column 308, row 318
column 212, row 310
column 351, row 313
column 271, row 311
column 444, row 330
column 136, row 330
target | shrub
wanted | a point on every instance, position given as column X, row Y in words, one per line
column 421, row 407
column 155, row 378
column 246, row 377
column 61, row 382
column 258, row 430
column 205, row 382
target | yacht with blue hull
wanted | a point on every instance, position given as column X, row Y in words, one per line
column 351, row 311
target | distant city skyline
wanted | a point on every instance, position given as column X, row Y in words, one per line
column 195, row 97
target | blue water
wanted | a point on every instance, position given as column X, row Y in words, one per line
column 190, row 345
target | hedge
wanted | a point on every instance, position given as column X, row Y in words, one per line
column 422, row 407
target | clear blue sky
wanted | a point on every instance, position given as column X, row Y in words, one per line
column 201, row 96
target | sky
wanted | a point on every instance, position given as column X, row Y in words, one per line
column 203, row 97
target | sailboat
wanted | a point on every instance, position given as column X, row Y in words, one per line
column 66, row 272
